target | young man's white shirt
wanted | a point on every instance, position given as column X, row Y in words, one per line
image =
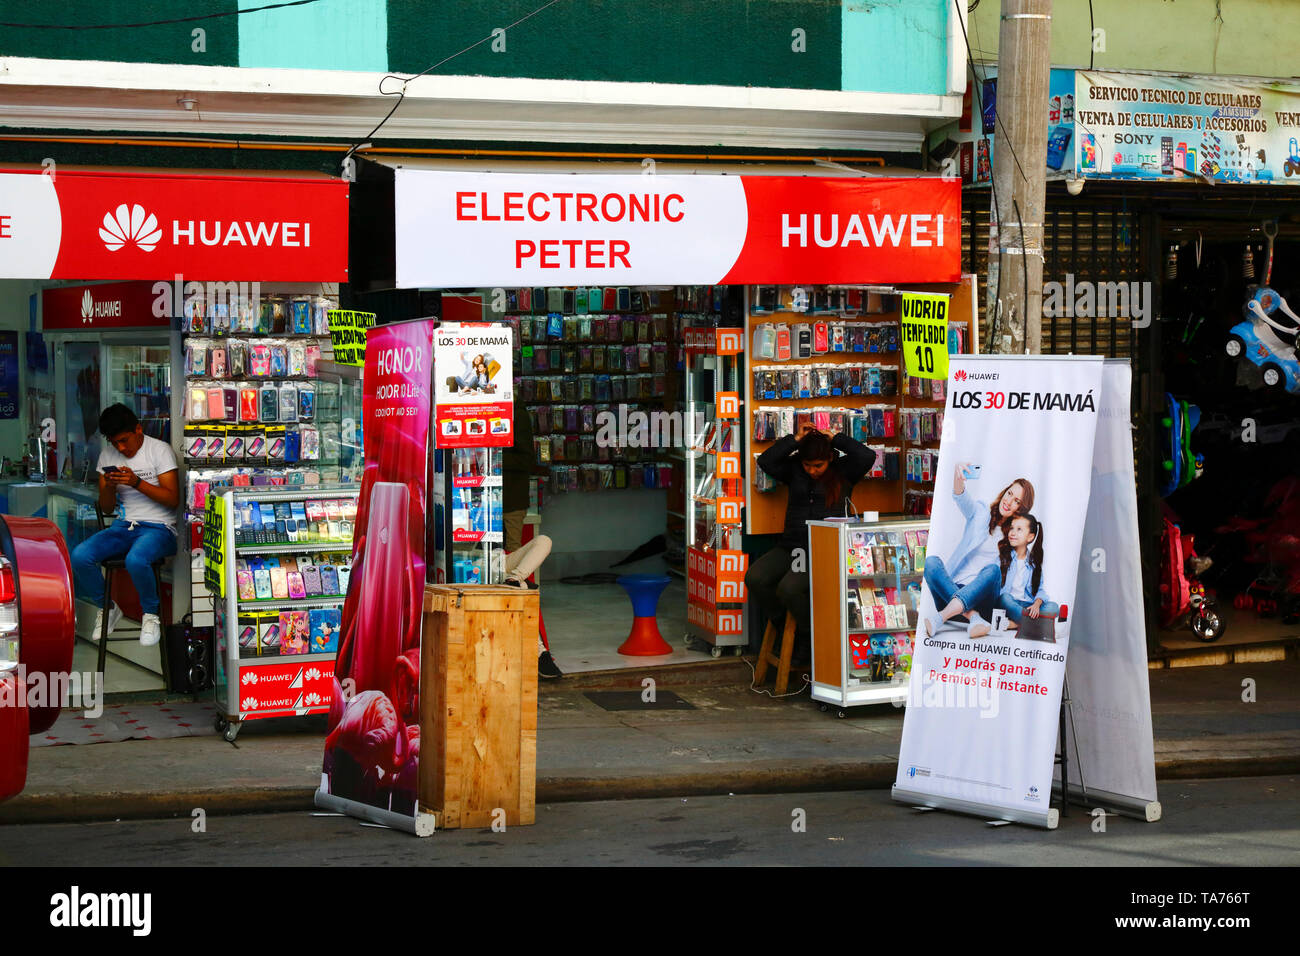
column 153, row 459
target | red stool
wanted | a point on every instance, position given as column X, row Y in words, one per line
column 644, row 639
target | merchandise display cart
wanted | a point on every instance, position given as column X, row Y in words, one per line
column 277, row 561
column 866, row 588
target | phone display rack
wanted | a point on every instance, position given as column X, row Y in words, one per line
column 866, row 589
column 714, row 479
column 262, row 671
column 469, row 533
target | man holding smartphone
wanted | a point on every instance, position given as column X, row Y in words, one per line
column 138, row 480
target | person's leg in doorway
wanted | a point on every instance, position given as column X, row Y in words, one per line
column 761, row 581
column 152, row 543
column 88, row 572
column 795, row 593
column 522, row 562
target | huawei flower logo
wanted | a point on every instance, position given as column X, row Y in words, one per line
column 312, row 699
column 130, row 225
column 249, row 678
column 249, row 703
column 960, row 375
column 87, row 306
column 312, row 674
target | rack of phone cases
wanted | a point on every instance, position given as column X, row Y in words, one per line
column 714, row 499
column 593, row 367
column 866, row 591
column 828, row 357
column 468, row 520
column 287, row 555
column 922, row 427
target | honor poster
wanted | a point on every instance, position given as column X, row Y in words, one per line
column 372, row 748
column 998, row 597
column 474, row 388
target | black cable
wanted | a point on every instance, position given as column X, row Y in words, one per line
column 1024, row 261
column 154, row 23
column 1092, row 32
column 401, row 94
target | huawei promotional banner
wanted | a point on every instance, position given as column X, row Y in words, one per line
column 372, row 748
column 474, row 389
column 517, row 229
column 998, row 598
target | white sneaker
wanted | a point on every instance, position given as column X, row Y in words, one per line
column 150, row 630
column 114, row 618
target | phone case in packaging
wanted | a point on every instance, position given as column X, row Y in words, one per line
column 217, row 363
column 198, row 405
column 216, row 404
column 297, row 360
column 782, row 343
column 268, row 404
column 260, row 361
column 821, row 337
column 237, row 359
column 302, row 318
column 288, row 403
column 279, row 361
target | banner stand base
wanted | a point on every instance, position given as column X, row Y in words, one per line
column 420, row 825
column 1048, row 819
column 1148, row 811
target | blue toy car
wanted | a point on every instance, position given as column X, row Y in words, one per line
column 1257, row 340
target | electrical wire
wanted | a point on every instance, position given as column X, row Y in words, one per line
column 401, row 94
column 154, row 23
column 1092, row 33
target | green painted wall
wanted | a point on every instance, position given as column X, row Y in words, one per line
column 1246, row 37
column 872, row 45
column 170, row 43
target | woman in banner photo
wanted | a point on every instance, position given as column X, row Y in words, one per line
column 819, row 479
column 1020, row 556
column 967, row 584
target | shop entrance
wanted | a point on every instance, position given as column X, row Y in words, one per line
column 1231, row 482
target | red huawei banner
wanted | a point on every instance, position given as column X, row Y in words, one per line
column 830, row 231
column 112, row 305
column 129, row 225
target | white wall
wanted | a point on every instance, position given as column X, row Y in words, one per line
column 592, row 529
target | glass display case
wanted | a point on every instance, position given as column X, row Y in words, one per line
column 866, row 589
column 139, row 376
column 72, row 509
column 468, row 529
column 338, row 412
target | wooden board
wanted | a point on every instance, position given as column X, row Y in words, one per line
column 826, row 567
column 478, row 705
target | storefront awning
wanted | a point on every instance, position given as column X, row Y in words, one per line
column 157, row 224
column 478, row 225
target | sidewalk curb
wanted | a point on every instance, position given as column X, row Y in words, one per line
column 708, row 780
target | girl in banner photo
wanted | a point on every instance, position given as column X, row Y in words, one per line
column 968, row 583
column 1021, row 561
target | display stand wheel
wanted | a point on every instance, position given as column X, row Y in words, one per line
column 231, row 730
column 823, row 708
column 740, row 650
column 715, row 651
column 219, row 724
column 841, row 713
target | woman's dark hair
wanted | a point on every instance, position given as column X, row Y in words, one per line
column 117, row 420
column 816, row 446
column 1035, row 550
column 1026, row 502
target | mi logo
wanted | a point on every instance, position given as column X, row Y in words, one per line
column 730, row 341
column 731, row 562
column 729, row 590
column 729, row 622
column 727, row 404
column 729, row 509
column 728, row 464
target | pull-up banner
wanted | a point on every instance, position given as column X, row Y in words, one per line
column 467, row 229
column 998, row 600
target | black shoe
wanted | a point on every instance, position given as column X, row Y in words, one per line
column 546, row 668
column 522, row 585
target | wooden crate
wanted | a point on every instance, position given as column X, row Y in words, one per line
column 478, row 705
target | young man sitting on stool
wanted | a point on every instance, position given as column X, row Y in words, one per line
column 138, row 479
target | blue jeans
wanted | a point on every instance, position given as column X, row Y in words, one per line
column 977, row 596
column 1015, row 609
column 142, row 544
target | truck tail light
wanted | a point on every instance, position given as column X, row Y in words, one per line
column 8, row 614
column 7, row 591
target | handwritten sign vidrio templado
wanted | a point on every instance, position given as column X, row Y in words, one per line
column 348, row 335
column 925, row 334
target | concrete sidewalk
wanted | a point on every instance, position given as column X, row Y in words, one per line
column 733, row 741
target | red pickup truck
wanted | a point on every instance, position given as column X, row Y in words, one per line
column 37, row 629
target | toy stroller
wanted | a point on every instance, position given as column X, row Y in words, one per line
column 1184, row 602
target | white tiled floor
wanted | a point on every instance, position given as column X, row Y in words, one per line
column 586, row 623
column 119, row 677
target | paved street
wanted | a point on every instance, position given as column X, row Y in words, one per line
column 1243, row 821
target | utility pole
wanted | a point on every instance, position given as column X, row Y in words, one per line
column 1019, row 177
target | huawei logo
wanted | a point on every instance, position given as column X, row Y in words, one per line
column 87, row 306
column 959, row 375
column 130, row 225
